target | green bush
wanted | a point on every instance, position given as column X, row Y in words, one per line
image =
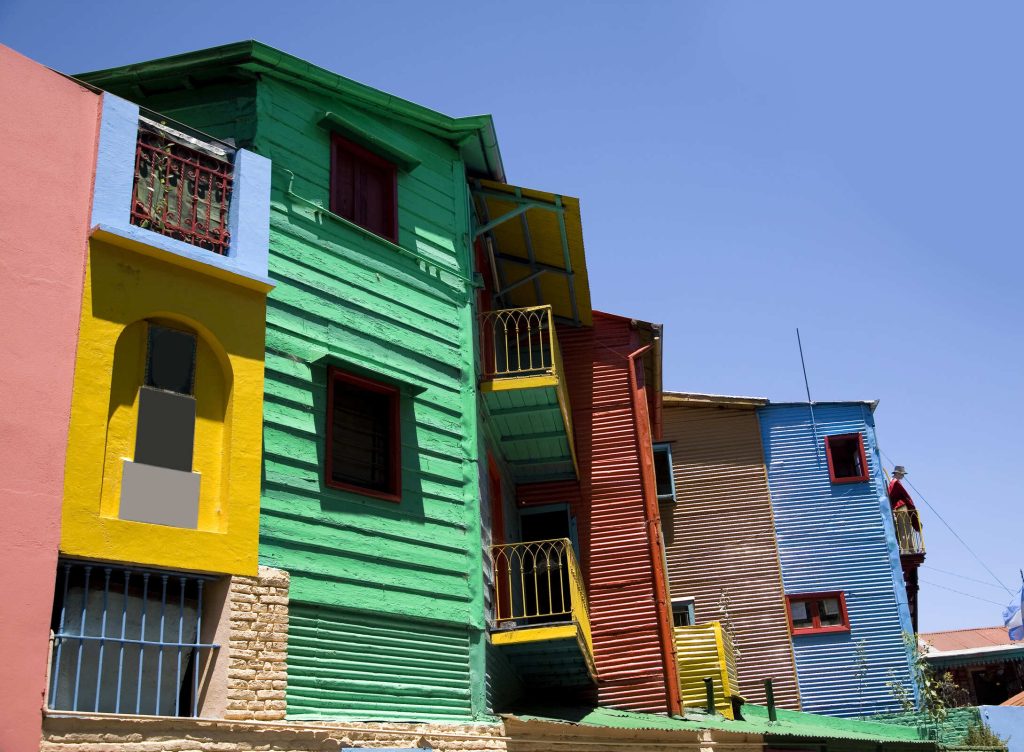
column 980, row 735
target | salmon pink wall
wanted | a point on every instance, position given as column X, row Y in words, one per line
column 48, row 131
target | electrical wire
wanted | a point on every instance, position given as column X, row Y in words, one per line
column 961, row 576
column 961, row 592
column 950, row 528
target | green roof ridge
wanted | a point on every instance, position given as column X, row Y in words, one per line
column 790, row 723
column 251, row 54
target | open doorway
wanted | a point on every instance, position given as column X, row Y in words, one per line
column 545, row 567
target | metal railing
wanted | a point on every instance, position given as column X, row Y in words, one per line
column 182, row 187
column 538, row 582
column 908, row 531
column 519, row 342
column 127, row 641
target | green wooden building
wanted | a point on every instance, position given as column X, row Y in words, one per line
column 371, row 431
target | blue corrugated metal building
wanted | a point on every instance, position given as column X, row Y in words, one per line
column 840, row 560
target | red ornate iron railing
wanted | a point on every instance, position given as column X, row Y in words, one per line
column 182, row 187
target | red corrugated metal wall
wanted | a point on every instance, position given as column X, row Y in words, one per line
column 611, row 516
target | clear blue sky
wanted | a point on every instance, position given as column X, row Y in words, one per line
column 745, row 168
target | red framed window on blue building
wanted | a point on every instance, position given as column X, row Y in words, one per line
column 817, row 613
column 364, row 188
column 847, row 462
column 364, row 448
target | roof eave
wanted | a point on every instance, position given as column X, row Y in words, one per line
column 475, row 136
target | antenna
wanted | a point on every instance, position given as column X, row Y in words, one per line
column 810, row 403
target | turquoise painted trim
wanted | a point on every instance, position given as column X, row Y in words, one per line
column 371, row 138
column 115, row 162
column 666, row 447
column 248, row 221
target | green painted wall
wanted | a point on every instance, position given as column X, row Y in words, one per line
column 394, row 587
column 950, row 733
column 349, row 296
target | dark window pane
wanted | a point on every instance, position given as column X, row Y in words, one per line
column 681, row 614
column 829, row 612
column 663, row 473
column 363, row 188
column 801, row 613
column 362, row 442
column 170, row 359
column 344, row 184
column 845, row 455
column 375, row 196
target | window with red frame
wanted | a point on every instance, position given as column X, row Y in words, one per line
column 363, row 442
column 364, row 188
column 820, row 612
column 846, row 460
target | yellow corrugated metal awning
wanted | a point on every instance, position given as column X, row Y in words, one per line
column 535, row 241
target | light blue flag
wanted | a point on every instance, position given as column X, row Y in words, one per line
column 1012, row 616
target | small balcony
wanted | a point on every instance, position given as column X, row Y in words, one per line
column 705, row 651
column 182, row 187
column 541, row 619
column 525, row 393
column 165, row 190
column 908, row 532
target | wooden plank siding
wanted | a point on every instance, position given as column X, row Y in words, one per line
column 396, row 587
column 608, row 503
column 412, row 564
column 720, row 541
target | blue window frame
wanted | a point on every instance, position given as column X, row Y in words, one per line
column 663, row 475
column 683, row 612
column 127, row 640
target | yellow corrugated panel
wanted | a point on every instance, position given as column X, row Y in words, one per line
column 705, row 651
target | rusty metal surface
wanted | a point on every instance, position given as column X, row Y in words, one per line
column 720, row 540
column 612, row 518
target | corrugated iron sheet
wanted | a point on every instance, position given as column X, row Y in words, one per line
column 838, row 537
column 705, row 651
column 720, row 540
column 611, row 518
column 346, row 664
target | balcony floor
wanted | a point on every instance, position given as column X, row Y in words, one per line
column 547, row 655
column 531, row 427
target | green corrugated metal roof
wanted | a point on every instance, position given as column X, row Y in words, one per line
column 791, row 725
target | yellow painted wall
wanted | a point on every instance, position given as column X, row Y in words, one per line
column 123, row 290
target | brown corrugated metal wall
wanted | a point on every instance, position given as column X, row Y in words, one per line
column 720, row 536
column 612, row 521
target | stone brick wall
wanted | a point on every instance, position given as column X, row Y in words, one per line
column 257, row 670
column 141, row 734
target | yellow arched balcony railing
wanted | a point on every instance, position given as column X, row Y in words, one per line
column 908, row 531
column 538, row 592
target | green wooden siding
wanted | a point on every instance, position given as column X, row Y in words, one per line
column 349, row 299
column 354, row 299
column 345, row 664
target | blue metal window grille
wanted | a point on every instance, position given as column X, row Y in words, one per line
column 127, row 640
column 663, row 474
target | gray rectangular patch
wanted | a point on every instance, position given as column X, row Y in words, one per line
column 159, row 495
column 166, row 429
